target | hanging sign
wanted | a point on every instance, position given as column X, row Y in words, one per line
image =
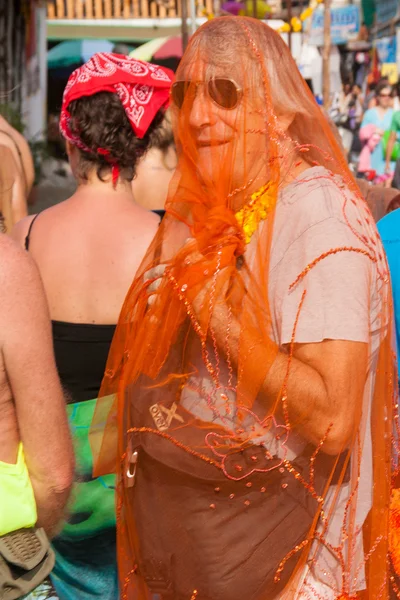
column 386, row 10
column 387, row 49
column 345, row 25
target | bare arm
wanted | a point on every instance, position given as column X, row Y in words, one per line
column 329, row 367
column 27, row 349
column 389, row 150
column 324, row 384
column 13, row 193
column 19, row 204
column 21, row 150
column 27, row 160
column 324, row 388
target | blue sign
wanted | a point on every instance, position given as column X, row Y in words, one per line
column 386, row 48
column 386, row 10
column 345, row 25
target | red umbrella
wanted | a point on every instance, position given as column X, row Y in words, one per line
column 171, row 47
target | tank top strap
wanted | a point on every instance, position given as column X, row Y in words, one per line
column 28, row 235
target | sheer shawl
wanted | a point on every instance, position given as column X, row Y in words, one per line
column 251, row 182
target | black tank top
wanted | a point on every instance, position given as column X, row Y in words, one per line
column 81, row 351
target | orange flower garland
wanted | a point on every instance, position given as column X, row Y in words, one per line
column 394, row 530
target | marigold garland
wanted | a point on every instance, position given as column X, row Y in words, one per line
column 296, row 23
column 394, row 530
column 256, row 210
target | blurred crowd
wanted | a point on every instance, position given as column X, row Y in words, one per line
column 368, row 122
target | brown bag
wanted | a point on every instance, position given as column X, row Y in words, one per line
column 197, row 528
column 26, row 559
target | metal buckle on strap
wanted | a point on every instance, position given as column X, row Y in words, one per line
column 131, row 468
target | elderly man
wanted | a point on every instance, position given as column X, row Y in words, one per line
column 246, row 360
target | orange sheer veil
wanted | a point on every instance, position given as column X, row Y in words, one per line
column 221, row 239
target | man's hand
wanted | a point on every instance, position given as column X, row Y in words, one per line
column 326, row 379
column 156, row 274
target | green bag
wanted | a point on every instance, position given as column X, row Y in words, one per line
column 396, row 148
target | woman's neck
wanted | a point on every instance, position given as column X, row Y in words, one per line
column 382, row 110
column 95, row 187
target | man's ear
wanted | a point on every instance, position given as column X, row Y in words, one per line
column 285, row 120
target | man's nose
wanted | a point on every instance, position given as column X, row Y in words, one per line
column 200, row 109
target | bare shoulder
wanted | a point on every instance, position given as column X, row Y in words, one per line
column 20, row 230
column 18, row 271
column 22, row 297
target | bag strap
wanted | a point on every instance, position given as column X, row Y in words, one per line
column 26, row 560
column 24, row 548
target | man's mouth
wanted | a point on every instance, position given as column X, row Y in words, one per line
column 210, row 143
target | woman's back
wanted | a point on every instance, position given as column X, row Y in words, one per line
column 88, row 250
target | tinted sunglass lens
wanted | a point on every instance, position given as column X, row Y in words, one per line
column 223, row 92
column 178, row 93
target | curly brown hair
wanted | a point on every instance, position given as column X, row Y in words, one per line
column 100, row 121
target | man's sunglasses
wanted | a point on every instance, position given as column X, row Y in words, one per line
column 225, row 93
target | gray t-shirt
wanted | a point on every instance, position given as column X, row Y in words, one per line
column 315, row 216
column 321, row 238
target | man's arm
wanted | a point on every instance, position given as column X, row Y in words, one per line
column 324, row 380
column 27, row 349
column 331, row 334
column 19, row 205
column 13, row 200
column 21, row 150
column 324, row 387
column 329, row 366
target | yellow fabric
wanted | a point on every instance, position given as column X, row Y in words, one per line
column 17, row 501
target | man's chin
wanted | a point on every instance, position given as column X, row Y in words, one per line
column 212, row 155
column 209, row 165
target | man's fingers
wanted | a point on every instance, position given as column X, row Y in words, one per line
column 154, row 273
column 195, row 255
column 151, row 299
column 153, row 287
column 193, row 258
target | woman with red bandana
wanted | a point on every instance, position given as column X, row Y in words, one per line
column 87, row 249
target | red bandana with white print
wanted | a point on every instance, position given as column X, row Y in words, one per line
column 143, row 89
